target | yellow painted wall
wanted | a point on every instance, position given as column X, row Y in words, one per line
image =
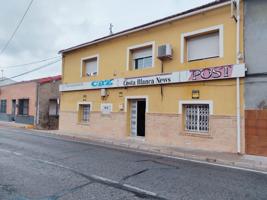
column 113, row 59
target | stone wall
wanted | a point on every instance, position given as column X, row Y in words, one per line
column 47, row 91
column 161, row 129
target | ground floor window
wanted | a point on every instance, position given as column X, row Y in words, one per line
column 84, row 110
column 196, row 117
column 3, row 106
column 53, row 107
column 23, row 107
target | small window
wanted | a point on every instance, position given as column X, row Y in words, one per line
column 141, row 57
column 23, row 107
column 90, row 67
column 196, row 117
column 203, row 46
column 84, row 112
column 53, row 107
column 3, row 106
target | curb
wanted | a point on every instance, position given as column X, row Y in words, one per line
column 246, row 165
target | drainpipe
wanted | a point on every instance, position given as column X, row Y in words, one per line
column 238, row 132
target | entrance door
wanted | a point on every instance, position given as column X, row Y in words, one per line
column 138, row 111
column 13, row 109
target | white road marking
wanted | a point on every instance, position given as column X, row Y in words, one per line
column 138, row 151
column 95, row 177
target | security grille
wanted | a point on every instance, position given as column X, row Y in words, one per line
column 197, row 117
column 85, row 112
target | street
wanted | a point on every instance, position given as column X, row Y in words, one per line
column 37, row 166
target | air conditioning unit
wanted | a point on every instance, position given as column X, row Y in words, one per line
column 165, row 52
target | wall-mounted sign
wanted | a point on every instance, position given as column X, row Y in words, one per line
column 211, row 73
column 106, row 108
column 204, row 74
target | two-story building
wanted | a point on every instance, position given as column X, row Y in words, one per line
column 177, row 81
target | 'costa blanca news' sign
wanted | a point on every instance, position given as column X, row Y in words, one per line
column 204, row 74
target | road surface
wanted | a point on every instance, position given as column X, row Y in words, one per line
column 38, row 166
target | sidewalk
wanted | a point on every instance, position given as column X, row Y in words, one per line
column 248, row 162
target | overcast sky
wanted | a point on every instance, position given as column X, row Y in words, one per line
column 52, row 25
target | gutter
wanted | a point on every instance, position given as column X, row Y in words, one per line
column 238, row 132
column 151, row 25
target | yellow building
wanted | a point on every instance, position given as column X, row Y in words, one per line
column 177, row 81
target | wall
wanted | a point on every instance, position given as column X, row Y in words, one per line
column 256, row 80
column 47, row 91
column 26, row 90
column 255, row 53
column 164, row 124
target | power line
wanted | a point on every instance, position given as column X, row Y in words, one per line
column 30, row 63
column 33, row 70
column 16, row 29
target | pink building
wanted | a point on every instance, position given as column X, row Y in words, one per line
column 31, row 102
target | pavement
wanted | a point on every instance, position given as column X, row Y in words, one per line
column 36, row 165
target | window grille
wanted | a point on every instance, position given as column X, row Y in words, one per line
column 197, row 117
column 85, row 112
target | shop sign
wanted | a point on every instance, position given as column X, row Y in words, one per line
column 211, row 73
column 102, row 83
column 204, row 74
column 151, row 80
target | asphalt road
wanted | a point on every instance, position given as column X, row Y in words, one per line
column 37, row 166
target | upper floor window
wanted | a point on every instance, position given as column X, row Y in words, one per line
column 90, row 66
column 3, row 106
column 140, row 56
column 202, row 44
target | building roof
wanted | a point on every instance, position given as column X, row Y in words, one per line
column 6, row 81
column 196, row 10
column 39, row 80
column 49, row 79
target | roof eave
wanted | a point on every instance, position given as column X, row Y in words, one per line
column 145, row 26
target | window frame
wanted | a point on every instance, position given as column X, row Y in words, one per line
column 195, row 102
column 138, row 46
column 5, row 108
column 197, row 130
column 202, row 32
column 82, row 68
column 79, row 104
column 57, row 107
column 28, row 107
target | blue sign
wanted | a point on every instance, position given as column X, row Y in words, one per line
column 102, row 83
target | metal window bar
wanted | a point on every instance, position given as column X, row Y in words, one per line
column 85, row 112
column 197, row 117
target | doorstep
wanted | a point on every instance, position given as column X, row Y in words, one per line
column 233, row 160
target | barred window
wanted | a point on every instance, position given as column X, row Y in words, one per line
column 196, row 117
column 84, row 111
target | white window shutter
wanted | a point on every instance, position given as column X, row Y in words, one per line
column 91, row 67
column 142, row 53
column 203, row 46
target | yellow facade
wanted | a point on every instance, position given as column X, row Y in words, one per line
column 161, row 100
